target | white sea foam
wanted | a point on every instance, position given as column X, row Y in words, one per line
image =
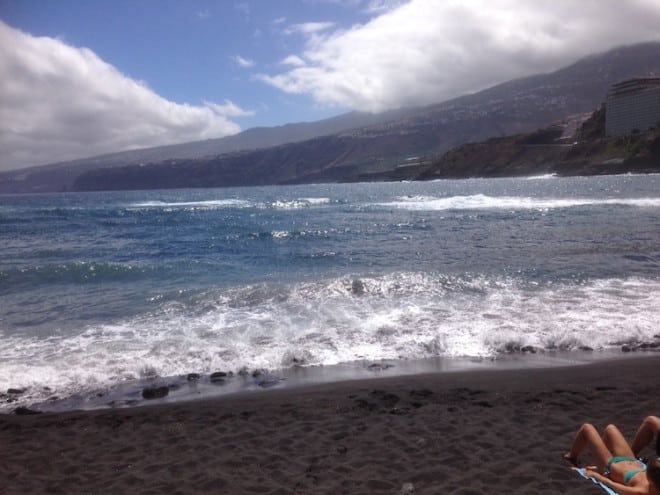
column 282, row 204
column 209, row 204
column 541, row 177
column 512, row 203
column 293, row 204
column 317, row 201
column 403, row 316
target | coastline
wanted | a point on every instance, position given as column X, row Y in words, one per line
column 220, row 384
column 470, row 431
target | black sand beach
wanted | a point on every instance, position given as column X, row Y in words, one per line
column 472, row 432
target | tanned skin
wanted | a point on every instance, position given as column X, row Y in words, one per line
column 603, row 448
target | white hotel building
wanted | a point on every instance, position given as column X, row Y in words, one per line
column 633, row 106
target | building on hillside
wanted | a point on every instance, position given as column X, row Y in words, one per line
column 633, row 106
column 572, row 123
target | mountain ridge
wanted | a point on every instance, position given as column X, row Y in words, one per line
column 357, row 151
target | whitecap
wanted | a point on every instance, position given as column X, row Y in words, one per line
column 398, row 316
column 511, row 203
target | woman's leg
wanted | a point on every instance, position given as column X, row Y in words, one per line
column 649, row 427
column 588, row 437
column 615, row 442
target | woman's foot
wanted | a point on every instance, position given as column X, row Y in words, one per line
column 573, row 460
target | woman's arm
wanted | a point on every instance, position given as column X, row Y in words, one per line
column 619, row 487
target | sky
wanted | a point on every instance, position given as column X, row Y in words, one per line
column 79, row 78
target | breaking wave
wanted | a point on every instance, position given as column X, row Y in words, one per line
column 272, row 326
column 484, row 202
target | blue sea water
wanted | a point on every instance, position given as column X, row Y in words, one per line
column 102, row 289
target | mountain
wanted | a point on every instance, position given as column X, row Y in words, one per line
column 61, row 176
column 354, row 146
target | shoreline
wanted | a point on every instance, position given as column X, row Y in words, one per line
column 464, row 432
column 534, row 175
column 196, row 387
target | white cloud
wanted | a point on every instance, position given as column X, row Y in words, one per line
column 309, row 28
column 380, row 6
column 243, row 62
column 228, row 109
column 293, row 60
column 59, row 102
column 427, row 51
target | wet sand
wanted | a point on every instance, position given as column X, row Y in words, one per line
column 468, row 432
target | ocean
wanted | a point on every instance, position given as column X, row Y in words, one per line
column 102, row 293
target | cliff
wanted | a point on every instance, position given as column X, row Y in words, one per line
column 589, row 152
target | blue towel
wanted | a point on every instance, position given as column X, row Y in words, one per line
column 604, row 487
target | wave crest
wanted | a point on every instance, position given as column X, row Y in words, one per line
column 399, row 316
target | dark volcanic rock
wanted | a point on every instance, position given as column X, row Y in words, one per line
column 357, row 287
column 379, row 366
column 155, row 392
column 219, row 377
column 23, row 411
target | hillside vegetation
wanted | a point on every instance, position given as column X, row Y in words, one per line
column 589, row 152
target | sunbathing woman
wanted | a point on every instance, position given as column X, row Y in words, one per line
column 649, row 427
column 616, row 464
